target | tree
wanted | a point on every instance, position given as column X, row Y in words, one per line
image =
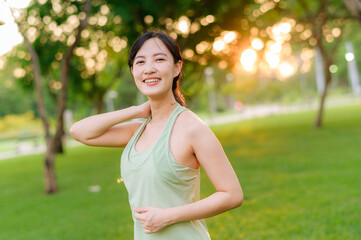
column 320, row 25
column 35, row 41
column 101, row 57
column 354, row 6
column 329, row 15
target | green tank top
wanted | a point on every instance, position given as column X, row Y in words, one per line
column 154, row 178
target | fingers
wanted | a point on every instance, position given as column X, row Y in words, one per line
column 141, row 209
column 150, row 218
column 142, row 216
column 140, row 213
column 139, row 216
column 147, row 226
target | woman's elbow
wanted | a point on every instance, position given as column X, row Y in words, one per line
column 237, row 198
column 240, row 199
column 75, row 133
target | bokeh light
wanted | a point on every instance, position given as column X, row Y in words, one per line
column 333, row 68
column 257, row 44
column 219, row 45
column 272, row 59
column 229, row 37
column 286, row 70
column 248, row 59
column 183, row 25
column 349, row 57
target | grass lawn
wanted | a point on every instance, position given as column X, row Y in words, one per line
column 299, row 183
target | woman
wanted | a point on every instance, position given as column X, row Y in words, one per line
column 162, row 155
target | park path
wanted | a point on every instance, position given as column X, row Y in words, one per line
column 248, row 112
column 258, row 111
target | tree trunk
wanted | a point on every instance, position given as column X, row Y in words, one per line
column 58, row 145
column 40, row 103
column 49, row 173
column 49, row 170
column 98, row 103
column 327, row 61
column 319, row 118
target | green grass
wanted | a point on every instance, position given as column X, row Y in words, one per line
column 299, row 183
column 7, row 145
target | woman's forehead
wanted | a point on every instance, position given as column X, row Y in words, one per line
column 153, row 46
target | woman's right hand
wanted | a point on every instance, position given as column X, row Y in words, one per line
column 144, row 110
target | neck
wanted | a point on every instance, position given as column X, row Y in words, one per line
column 161, row 109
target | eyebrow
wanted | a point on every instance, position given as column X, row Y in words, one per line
column 154, row 55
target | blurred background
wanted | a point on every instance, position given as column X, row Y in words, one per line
column 61, row 61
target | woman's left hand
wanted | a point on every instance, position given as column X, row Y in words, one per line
column 152, row 219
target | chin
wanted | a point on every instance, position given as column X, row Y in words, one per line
column 154, row 93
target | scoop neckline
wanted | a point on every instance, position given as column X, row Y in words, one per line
column 160, row 135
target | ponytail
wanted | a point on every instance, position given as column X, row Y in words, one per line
column 177, row 92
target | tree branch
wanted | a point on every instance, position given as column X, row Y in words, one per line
column 38, row 86
column 337, row 43
column 37, row 79
column 65, row 67
column 354, row 6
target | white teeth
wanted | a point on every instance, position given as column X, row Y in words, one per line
column 151, row 80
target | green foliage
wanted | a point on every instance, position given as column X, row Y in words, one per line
column 127, row 92
column 126, row 20
column 14, row 101
column 298, row 183
column 16, row 125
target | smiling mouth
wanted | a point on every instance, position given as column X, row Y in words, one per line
column 151, row 80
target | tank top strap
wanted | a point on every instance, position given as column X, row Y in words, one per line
column 139, row 131
column 169, row 126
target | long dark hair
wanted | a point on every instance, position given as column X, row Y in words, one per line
column 174, row 49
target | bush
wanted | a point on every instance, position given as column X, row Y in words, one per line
column 13, row 125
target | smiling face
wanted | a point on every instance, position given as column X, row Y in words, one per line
column 154, row 69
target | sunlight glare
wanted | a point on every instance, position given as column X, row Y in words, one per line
column 272, row 59
column 219, row 45
column 257, row 44
column 18, row 3
column 183, row 24
column 286, row 69
column 229, row 37
column 276, row 47
column 285, row 27
column 9, row 28
column 248, row 59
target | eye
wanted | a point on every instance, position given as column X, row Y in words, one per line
column 139, row 62
column 160, row 59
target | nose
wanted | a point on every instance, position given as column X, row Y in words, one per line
column 149, row 68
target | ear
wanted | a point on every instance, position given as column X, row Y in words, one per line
column 131, row 70
column 177, row 68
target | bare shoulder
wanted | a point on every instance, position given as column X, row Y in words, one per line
column 199, row 138
column 187, row 132
column 191, row 124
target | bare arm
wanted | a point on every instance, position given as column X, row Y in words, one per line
column 228, row 195
column 109, row 129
